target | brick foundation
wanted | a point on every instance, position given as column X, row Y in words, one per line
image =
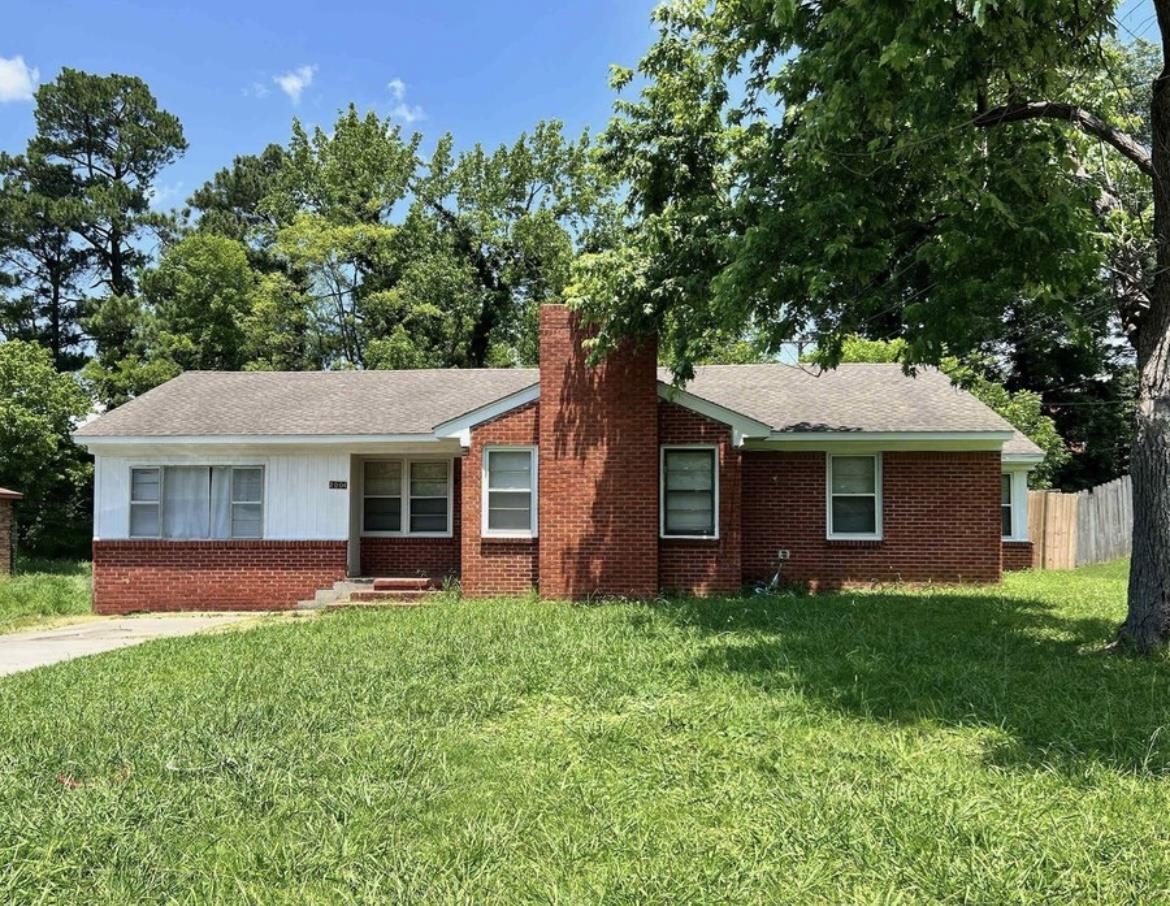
column 598, row 465
column 496, row 566
column 940, row 518
column 211, row 575
column 438, row 558
column 1017, row 555
column 702, row 567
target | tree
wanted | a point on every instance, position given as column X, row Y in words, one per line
column 39, row 408
column 114, row 139
column 814, row 168
column 39, row 212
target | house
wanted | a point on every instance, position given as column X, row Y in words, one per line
column 7, row 529
column 253, row 490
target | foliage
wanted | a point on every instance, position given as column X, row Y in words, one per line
column 870, row 746
column 815, row 171
column 38, row 409
column 39, row 213
column 41, row 591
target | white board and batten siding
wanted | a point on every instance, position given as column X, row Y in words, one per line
column 299, row 504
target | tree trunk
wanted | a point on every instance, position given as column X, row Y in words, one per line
column 1147, row 625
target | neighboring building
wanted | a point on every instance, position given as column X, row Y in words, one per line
column 7, row 529
column 238, row 490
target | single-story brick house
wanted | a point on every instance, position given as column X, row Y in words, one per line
column 252, row 490
column 7, row 529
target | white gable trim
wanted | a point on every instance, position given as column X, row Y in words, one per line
column 1022, row 460
column 742, row 426
column 460, row 428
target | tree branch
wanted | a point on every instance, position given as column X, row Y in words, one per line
column 1128, row 147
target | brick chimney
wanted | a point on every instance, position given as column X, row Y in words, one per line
column 598, row 475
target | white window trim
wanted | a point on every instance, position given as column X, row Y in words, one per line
column 404, row 531
column 1019, row 495
column 662, row 534
column 161, row 468
column 533, row 528
column 875, row 535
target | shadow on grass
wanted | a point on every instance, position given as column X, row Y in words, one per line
column 967, row 658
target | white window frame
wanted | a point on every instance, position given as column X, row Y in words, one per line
column 876, row 534
column 662, row 450
column 485, row 490
column 1019, row 504
column 161, row 468
column 157, row 504
column 404, row 525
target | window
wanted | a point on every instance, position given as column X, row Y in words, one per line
column 1005, row 505
column 406, row 497
column 854, row 491
column 197, row 502
column 689, row 493
column 428, row 496
column 509, row 492
column 382, row 496
column 145, row 500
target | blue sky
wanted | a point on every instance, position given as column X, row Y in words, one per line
column 236, row 73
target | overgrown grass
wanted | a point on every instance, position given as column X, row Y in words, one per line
column 41, row 590
column 954, row 746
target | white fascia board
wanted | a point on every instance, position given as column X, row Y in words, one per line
column 460, row 428
column 742, row 426
column 868, row 441
column 1025, row 461
column 115, row 445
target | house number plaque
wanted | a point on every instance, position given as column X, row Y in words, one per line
column 338, row 485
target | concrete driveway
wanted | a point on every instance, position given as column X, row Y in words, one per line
column 38, row 647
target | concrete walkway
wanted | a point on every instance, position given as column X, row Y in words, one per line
column 38, row 647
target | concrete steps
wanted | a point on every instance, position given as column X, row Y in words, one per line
column 395, row 591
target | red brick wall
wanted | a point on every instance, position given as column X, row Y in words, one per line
column 496, row 566
column 212, row 575
column 1017, row 555
column 703, row 567
column 940, row 520
column 598, row 465
column 434, row 557
column 7, row 530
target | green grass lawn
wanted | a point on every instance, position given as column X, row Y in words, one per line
column 42, row 591
column 957, row 746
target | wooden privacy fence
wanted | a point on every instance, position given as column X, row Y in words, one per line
column 1091, row 526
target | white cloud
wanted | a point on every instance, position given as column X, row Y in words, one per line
column 18, row 80
column 256, row 90
column 408, row 113
column 293, row 83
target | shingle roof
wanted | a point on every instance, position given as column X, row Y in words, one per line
column 876, row 398
column 269, row 403
column 852, row 398
column 6, row 494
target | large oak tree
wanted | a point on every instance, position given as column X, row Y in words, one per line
column 808, row 169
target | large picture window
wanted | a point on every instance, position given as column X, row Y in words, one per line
column 854, row 497
column 509, row 492
column 197, row 502
column 689, row 493
column 406, row 497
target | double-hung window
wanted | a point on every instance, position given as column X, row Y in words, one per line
column 855, row 497
column 197, row 502
column 689, row 492
column 406, row 497
column 509, row 492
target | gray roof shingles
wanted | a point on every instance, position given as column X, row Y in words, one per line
column 851, row 398
column 308, row 403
